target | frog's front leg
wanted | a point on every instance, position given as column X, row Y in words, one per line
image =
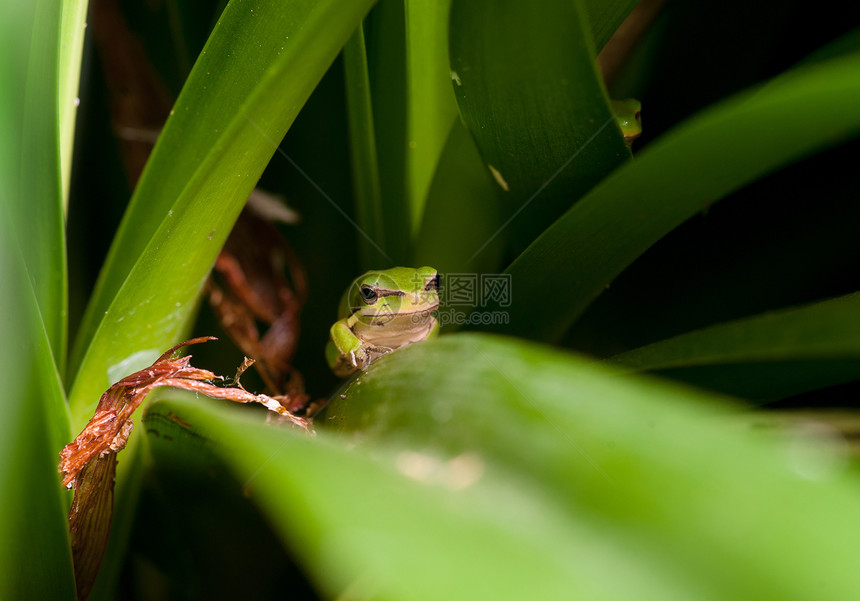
column 346, row 353
column 343, row 351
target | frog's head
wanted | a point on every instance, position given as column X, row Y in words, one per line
column 390, row 293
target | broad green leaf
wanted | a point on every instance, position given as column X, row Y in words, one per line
column 430, row 104
column 529, row 93
column 512, row 464
column 72, row 28
column 659, row 467
column 816, row 345
column 464, row 187
column 386, row 60
column 605, row 16
column 35, row 557
column 365, row 168
column 462, row 211
column 817, row 331
column 352, row 516
column 31, row 140
column 259, row 66
column 698, row 163
column 196, row 531
column 413, row 108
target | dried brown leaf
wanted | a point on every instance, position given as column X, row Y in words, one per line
column 89, row 462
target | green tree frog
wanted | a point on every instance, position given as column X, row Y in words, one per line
column 628, row 115
column 381, row 312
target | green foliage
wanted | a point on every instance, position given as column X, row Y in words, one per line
column 709, row 156
column 34, row 423
column 515, row 69
column 32, row 186
column 793, row 350
column 237, row 103
column 473, row 466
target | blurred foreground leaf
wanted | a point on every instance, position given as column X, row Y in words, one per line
column 525, row 472
column 32, row 190
column 35, row 560
column 660, row 468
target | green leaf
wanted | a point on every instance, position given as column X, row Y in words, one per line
column 605, row 16
column 625, row 456
column 698, row 163
column 814, row 345
column 352, row 516
column 72, row 29
column 386, row 58
column 462, row 188
column 35, row 557
column 413, row 108
column 365, row 168
column 526, row 472
column 430, row 104
column 529, row 93
column 259, row 66
column 31, row 153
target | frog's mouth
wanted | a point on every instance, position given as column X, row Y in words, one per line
column 417, row 308
column 405, row 308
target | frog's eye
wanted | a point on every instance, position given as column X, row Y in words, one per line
column 368, row 294
column 432, row 283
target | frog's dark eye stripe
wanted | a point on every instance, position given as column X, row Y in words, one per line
column 369, row 295
column 432, row 283
column 387, row 292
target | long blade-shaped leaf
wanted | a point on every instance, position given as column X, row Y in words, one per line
column 430, row 103
column 72, row 30
column 630, row 453
column 546, row 134
column 484, row 532
column 35, row 558
column 28, row 77
column 698, row 163
column 386, row 58
column 461, row 187
column 365, row 167
column 604, row 17
column 464, row 187
column 413, row 108
column 255, row 73
column 819, row 344
column 829, row 329
column 510, row 462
